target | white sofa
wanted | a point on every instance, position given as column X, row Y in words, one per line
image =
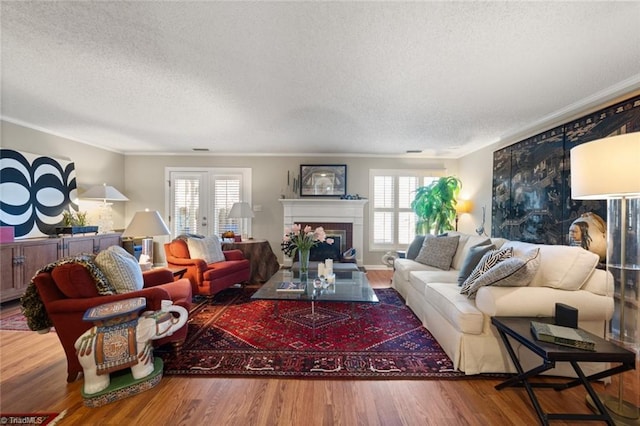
column 462, row 325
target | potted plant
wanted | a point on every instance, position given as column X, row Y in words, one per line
column 435, row 205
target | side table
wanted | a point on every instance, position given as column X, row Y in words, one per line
column 519, row 328
column 264, row 262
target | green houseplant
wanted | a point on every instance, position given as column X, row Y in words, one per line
column 435, row 205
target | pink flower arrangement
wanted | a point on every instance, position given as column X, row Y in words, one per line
column 299, row 238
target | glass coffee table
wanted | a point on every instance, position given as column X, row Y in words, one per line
column 349, row 287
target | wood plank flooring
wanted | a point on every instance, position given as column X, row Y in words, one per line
column 33, row 379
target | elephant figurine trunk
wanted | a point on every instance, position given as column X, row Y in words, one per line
column 114, row 346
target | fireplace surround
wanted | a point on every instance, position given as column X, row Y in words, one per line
column 334, row 215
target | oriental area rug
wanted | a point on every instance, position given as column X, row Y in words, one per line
column 235, row 336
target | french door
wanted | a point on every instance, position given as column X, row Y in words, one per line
column 199, row 200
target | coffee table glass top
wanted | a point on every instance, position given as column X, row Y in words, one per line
column 350, row 286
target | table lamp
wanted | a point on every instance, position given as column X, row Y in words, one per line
column 105, row 193
column 608, row 169
column 146, row 224
column 242, row 211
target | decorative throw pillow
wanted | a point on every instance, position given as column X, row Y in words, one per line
column 438, row 251
column 121, row 269
column 208, row 248
column 74, row 281
column 511, row 272
column 471, row 261
column 414, row 247
column 489, row 260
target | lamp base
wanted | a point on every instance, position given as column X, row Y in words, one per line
column 627, row 414
column 147, row 248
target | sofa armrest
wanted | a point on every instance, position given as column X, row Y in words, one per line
column 153, row 296
column 200, row 264
column 541, row 302
column 156, row 277
column 233, row 255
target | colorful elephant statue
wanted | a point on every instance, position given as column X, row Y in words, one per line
column 102, row 350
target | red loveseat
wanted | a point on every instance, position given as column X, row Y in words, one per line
column 208, row 279
column 69, row 290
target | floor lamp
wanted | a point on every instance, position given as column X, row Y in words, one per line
column 462, row 207
column 608, row 169
column 146, row 224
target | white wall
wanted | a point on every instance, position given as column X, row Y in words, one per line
column 94, row 166
column 145, row 184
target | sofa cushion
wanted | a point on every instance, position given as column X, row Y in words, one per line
column 489, row 260
column 74, row 281
column 121, row 269
column 222, row 269
column 418, row 279
column 512, row 272
column 471, row 261
column 208, row 248
column 438, row 251
column 563, row 267
column 458, row 310
column 415, row 246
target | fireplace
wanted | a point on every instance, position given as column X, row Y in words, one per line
column 339, row 218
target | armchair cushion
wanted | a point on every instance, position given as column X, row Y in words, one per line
column 121, row 268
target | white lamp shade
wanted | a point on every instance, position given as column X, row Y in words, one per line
column 606, row 168
column 104, row 192
column 240, row 210
column 146, row 224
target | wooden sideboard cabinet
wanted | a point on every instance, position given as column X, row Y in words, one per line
column 21, row 259
column 71, row 246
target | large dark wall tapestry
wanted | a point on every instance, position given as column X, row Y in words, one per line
column 531, row 179
column 34, row 191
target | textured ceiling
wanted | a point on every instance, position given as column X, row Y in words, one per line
column 346, row 78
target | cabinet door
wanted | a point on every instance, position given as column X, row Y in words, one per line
column 9, row 272
column 37, row 256
column 77, row 245
column 105, row 241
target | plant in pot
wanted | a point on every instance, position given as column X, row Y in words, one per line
column 435, row 205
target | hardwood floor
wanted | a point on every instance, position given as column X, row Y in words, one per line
column 33, row 379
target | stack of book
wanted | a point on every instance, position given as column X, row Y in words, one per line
column 565, row 336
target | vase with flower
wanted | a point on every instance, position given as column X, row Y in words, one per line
column 300, row 240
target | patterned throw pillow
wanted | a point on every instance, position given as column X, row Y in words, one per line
column 438, row 251
column 511, row 272
column 121, row 269
column 473, row 258
column 489, row 260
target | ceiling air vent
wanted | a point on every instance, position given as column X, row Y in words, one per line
column 200, row 149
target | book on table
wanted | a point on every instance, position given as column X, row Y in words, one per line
column 565, row 336
column 291, row 286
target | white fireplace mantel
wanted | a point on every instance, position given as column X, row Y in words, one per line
column 301, row 210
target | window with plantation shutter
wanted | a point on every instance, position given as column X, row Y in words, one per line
column 392, row 224
column 199, row 200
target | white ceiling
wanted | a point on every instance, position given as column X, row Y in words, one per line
column 312, row 77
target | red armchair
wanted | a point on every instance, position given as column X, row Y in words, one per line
column 208, row 279
column 74, row 280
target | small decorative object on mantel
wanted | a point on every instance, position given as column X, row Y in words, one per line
column 351, row 197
